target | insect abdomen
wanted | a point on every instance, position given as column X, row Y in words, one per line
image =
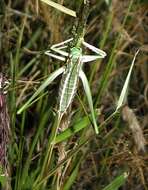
column 68, row 88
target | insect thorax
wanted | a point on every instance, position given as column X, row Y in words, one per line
column 75, row 53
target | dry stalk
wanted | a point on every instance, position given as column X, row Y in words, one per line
column 4, row 130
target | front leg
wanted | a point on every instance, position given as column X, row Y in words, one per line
column 58, row 48
column 59, row 51
column 55, row 56
column 62, row 43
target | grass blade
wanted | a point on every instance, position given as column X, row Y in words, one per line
column 72, row 177
column 117, row 182
column 84, row 122
column 123, row 94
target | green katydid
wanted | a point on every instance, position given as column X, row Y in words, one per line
column 71, row 73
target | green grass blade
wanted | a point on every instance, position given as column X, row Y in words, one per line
column 89, row 98
column 72, row 177
column 60, row 7
column 42, row 87
column 3, row 178
column 79, row 125
column 117, row 182
column 32, row 147
column 123, row 94
column 84, row 122
column 20, row 154
column 28, row 65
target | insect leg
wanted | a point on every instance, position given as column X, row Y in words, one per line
column 89, row 98
column 61, row 52
column 94, row 49
column 62, row 43
column 58, row 49
column 88, row 58
column 49, row 80
column 55, row 56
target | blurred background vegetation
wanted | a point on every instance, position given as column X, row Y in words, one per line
column 119, row 27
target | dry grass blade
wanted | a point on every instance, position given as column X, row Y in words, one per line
column 60, row 7
column 123, row 95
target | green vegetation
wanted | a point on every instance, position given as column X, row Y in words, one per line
column 47, row 151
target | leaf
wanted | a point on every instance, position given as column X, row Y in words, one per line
column 117, row 182
column 41, row 88
column 123, row 95
column 60, row 7
column 89, row 98
column 84, row 122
